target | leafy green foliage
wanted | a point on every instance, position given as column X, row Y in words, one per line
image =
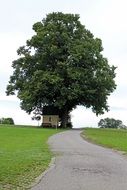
column 62, row 65
column 111, row 123
column 7, row 121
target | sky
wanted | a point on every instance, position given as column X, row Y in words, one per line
column 106, row 19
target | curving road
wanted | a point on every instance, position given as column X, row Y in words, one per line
column 81, row 165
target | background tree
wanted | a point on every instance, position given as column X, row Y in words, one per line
column 8, row 121
column 62, row 66
column 111, row 123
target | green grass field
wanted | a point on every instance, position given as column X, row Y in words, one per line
column 24, row 154
column 112, row 138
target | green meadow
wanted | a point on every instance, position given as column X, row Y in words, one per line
column 112, row 138
column 24, row 155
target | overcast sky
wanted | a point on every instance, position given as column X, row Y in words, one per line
column 106, row 19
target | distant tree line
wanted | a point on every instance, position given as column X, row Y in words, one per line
column 111, row 123
column 8, row 121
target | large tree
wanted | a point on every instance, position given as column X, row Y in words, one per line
column 62, row 66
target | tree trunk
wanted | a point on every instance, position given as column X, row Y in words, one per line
column 64, row 118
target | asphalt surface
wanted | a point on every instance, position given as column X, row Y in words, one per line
column 81, row 165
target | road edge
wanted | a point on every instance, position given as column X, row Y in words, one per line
column 39, row 178
column 122, row 153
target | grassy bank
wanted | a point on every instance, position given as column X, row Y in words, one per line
column 24, row 154
column 112, row 138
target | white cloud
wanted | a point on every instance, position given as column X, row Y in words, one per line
column 9, row 98
column 82, row 117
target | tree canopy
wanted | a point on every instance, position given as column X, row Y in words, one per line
column 62, row 66
column 8, row 121
column 111, row 123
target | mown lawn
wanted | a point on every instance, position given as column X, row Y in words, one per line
column 112, row 138
column 24, row 154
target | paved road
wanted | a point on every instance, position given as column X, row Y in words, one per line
column 81, row 165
